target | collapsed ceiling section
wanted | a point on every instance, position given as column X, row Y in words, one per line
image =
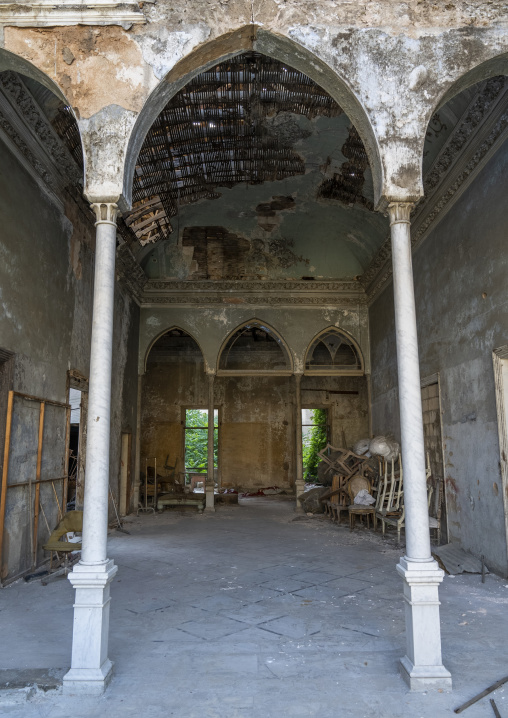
column 217, row 132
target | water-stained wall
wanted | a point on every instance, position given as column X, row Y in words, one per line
column 256, row 416
column 46, row 292
column 461, row 302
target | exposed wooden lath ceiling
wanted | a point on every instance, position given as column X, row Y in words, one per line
column 214, row 133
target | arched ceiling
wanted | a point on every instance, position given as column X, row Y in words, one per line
column 252, row 170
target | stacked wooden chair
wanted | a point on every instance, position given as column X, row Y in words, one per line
column 391, row 504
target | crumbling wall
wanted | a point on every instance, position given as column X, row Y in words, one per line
column 346, row 398
column 46, row 281
column 256, row 415
column 461, row 304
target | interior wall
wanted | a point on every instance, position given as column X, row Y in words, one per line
column 46, row 281
column 346, row 398
column 257, row 431
column 462, row 309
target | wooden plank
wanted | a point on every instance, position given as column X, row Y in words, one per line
column 65, row 485
column 5, row 472
column 38, row 480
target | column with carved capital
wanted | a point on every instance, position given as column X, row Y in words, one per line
column 299, row 481
column 210, row 475
column 422, row 665
column 91, row 577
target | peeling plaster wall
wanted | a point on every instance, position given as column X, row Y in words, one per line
column 256, row 413
column 464, row 258
column 46, row 291
column 212, row 325
column 389, row 64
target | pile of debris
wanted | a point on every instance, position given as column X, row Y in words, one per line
column 361, row 460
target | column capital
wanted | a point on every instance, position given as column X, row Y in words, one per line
column 210, row 372
column 400, row 212
column 105, row 212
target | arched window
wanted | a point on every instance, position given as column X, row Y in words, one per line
column 173, row 346
column 255, row 348
column 333, row 352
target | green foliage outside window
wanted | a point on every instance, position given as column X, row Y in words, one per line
column 314, row 441
column 196, row 440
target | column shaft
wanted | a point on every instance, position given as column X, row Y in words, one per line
column 299, row 481
column 410, row 401
column 95, row 516
column 210, row 478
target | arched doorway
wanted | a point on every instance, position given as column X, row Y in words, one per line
column 174, row 405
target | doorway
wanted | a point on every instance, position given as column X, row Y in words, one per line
column 315, row 437
column 500, row 359
column 431, row 410
column 196, row 446
column 78, row 400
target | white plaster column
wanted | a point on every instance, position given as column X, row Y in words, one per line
column 299, row 481
column 210, row 479
column 91, row 577
column 422, row 666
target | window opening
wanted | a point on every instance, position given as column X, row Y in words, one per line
column 196, row 446
column 333, row 351
column 315, row 432
column 254, row 347
column 75, row 402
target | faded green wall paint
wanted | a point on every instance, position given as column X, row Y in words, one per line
column 46, row 292
column 464, row 257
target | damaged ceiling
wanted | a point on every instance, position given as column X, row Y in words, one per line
column 252, row 171
column 244, row 163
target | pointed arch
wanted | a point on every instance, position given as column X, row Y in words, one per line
column 251, row 37
column 334, row 352
column 493, row 67
column 254, row 347
column 162, row 334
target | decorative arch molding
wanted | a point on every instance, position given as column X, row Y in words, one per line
column 244, row 39
column 163, row 333
column 332, row 340
column 11, row 61
column 25, row 124
column 274, row 336
column 494, row 66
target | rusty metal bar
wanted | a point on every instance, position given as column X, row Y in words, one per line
column 38, row 481
column 5, row 471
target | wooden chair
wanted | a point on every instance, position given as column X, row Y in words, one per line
column 72, row 522
column 389, row 503
column 354, row 486
column 336, row 501
column 395, row 512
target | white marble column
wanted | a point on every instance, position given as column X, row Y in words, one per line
column 299, row 481
column 91, row 577
column 422, row 665
column 210, row 476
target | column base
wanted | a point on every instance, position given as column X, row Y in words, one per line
column 422, row 666
column 423, row 678
column 91, row 668
column 299, row 489
column 88, row 681
column 209, row 499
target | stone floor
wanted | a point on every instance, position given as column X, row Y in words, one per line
column 253, row 612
